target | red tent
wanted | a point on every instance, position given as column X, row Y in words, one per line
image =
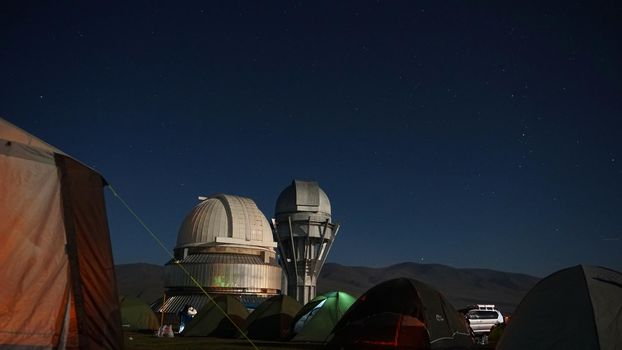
column 58, row 284
column 386, row 330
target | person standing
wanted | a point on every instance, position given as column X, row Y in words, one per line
column 185, row 316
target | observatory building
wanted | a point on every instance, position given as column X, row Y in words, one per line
column 226, row 243
column 305, row 233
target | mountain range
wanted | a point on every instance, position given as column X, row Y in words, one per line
column 462, row 286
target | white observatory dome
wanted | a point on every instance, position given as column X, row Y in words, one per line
column 225, row 245
column 225, row 219
column 302, row 196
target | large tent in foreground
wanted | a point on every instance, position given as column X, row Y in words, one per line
column 58, row 284
column 401, row 314
column 576, row 308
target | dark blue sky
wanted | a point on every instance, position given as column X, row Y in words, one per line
column 473, row 134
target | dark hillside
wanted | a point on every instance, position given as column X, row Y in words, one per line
column 461, row 286
column 144, row 281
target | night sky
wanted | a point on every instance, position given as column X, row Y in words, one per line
column 471, row 134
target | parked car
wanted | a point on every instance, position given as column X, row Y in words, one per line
column 483, row 317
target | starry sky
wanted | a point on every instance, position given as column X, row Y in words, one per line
column 465, row 133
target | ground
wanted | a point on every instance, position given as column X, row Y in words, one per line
column 145, row 341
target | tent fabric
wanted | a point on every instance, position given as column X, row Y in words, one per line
column 12, row 133
column 444, row 326
column 605, row 286
column 576, row 308
column 92, row 266
column 273, row 319
column 33, row 265
column 59, row 288
column 210, row 320
column 386, row 330
column 316, row 319
column 137, row 315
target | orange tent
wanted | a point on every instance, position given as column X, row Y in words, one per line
column 58, row 284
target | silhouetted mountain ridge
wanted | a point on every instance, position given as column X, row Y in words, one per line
column 145, row 281
column 462, row 286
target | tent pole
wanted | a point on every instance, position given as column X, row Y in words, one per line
column 162, row 310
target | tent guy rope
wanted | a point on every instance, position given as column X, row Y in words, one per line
column 192, row 278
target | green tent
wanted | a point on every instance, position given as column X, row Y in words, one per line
column 137, row 315
column 576, row 308
column 272, row 320
column 401, row 313
column 316, row 320
column 210, row 320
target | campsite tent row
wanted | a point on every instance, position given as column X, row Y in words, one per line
column 578, row 307
column 396, row 313
column 278, row 318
